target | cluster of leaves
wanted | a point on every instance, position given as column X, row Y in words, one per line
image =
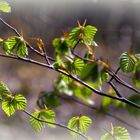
column 38, row 119
column 93, row 73
column 11, row 103
column 15, row 45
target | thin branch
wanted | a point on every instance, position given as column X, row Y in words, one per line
column 112, row 77
column 115, row 89
column 9, row 26
column 110, row 134
column 64, row 72
column 28, row 45
column 76, row 55
column 96, row 109
column 74, row 77
column 122, row 82
column 56, row 124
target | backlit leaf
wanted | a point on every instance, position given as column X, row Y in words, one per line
column 15, row 45
column 127, row 62
column 79, row 123
column 117, row 133
column 4, row 7
column 45, row 115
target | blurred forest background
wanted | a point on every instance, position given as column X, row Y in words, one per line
column 118, row 24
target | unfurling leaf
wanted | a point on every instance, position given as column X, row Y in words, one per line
column 80, row 124
column 84, row 34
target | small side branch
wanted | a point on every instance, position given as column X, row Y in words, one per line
column 28, row 45
column 122, row 82
column 96, row 91
column 56, row 124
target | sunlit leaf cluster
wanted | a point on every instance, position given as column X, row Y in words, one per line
column 11, row 103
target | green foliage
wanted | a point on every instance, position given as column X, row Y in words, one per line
column 63, row 87
column 13, row 103
column 89, row 33
column 82, row 92
column 91, row 72
column 61, row 46
column 8, row 106
column 66, row 78
column 36, row 125
column 75, row 66
column 127, row 62
column 48, row 99
column 84, row 34
column 20, row 102
column 4, row 90
column 4, row 7
column 15, row 44
column 104, row 76
column 136, row 75
column 107, row 102
column 79, row 123
column 116, row 133
column 133, row 111
column 44, row 115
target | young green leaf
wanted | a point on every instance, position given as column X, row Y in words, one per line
column 22, row 49
column 20, row 102
column 117, row 133
column 89, row 33
column 85, row 34
column 74, row 35
column 80, row 124
column 13, row 103
column 8, row 106
column 127, row 62
column 45, row 115
column 49, row 116
column 4, row 7
column 76, row 66
column 15, row 44
column 36, row 125
column 4, row 90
